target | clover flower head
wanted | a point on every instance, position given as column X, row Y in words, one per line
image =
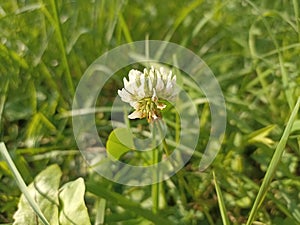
column 144, row 91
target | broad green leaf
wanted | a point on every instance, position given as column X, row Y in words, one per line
column 73, row 209
column 120, row 141
column 44, row 189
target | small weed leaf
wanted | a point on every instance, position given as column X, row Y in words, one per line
column 120, row 141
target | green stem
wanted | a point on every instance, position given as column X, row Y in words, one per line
column 164, row 142
column 168, row 152
column 155, row 186
column 165, row 147
column 155, row 174
column 155, row 159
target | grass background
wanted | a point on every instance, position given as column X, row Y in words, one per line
column 253, row 48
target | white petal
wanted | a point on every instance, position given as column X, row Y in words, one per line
column 131, row 88
column 140, row 94
column 126, row 83
column 169, row 87
column 159, row 83
column 169, row 76
column 153, row 83
column 154, row 96
column 135, row 115
column 174, row 79
column 151, row 73
column 140, row 91
column 145, row 71
column 120, row 93
column 125, row 96
column 133, row 75
column 150, row 86
column 161, row 70
column 163, row 73
column 134, row 104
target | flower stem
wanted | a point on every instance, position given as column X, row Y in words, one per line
column 165, row 147
column 155, row 186
column 155, row 175
column 168, row 152
column 164, row 142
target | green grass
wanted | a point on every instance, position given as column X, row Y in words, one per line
column 252, row 47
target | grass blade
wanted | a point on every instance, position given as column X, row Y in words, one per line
column 182, row 15
column 221, row 203
column 125, row 28
column 3, row 98
column 100, row 211
column 296, row 11
column 21, row 184
column 122, row 201
column 62, row 47
column 285, row 80
column 273, row 165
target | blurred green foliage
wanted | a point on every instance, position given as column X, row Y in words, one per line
column 252, row 47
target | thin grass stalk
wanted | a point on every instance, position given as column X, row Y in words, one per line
column 284, row 77
column 62, row 47
column 273, row 165
column 296, row 11
column 3, row 98
column 221, row 202
column 21, row 184
column 100, row 211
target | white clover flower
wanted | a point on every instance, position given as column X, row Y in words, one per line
column 144, row 92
